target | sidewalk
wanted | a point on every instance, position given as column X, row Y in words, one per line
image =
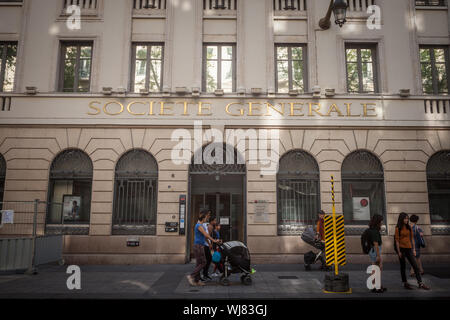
column 275, row 281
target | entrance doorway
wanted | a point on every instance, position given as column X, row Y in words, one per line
column 221, row 189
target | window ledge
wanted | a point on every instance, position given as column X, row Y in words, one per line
column 219, row 13
column 291, row 14
column 440, row 230
column 58, row 229
column 11, row 4
column 149, row 13
column 439, row 8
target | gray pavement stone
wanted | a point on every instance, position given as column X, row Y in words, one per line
column 169, row 281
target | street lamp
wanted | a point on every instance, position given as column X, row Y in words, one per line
column 339, row 8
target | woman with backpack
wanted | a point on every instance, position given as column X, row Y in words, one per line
column 419, row 242
column 405, row 248
column 374, row 240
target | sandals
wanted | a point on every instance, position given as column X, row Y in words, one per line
column 424, row 286
column 407, row 286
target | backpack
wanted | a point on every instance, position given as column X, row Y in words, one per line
column 420, row 241
column 365, row 241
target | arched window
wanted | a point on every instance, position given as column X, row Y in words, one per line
column 70, row 188
column 362, row 188
column 2, row 178
column 135, row 193
column 298, row 192
column 438, row 178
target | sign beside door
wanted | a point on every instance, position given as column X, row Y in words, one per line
column 182, row 213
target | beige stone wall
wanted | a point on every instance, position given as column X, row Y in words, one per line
column 404, row 155
column 30, row 151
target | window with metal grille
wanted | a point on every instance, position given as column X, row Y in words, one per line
column 70, row 188
column 149, row 4
column 135, row 192
column 8, row 60
column 219, row 67
column 2, row 178
column 298, row 5
column 298, row 192
column 76, row 65
column 147, row 67
column 83, row 4
column 359, row 5
column 435, row 67
column 290, row 68
column 431, row 3
column 362, row 187
column 361, row 64
column 219, row 4
column 438, row 178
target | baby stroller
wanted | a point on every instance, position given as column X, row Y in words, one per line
column 309, row 236
column 235, row 258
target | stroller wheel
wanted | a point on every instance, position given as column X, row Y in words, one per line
column 246, row 280
column 224, row 281
column 307, row 267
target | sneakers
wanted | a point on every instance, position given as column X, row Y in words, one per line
column 191, row 281
column 206, row 278
column 381, row 290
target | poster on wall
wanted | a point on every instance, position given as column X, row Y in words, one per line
column 71, row 207
column 361, row 208
column 7, row 216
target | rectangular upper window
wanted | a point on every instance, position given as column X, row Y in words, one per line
column 75, row 68
column 147, row 67
column 434, row 65
column 290, row 68
column 361, row 64
column 8, row 59
column 431, row 3
column 219, row 67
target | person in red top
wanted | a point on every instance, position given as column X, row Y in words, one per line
column 320, row 236
column 320, row 227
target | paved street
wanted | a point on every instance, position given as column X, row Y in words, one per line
column 273, row 281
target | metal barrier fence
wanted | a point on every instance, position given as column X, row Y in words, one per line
column 23, row 243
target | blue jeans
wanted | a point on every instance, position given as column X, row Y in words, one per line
column 373, row 254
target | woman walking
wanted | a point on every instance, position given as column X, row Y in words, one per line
column 418, row 240
column 200, row 237
column 405, row 247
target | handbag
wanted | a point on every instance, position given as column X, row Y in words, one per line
column 216, row 257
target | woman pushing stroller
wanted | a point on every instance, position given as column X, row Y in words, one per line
column 316, row 238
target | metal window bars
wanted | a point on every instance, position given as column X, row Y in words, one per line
column 135, row 194
column 286, row 5
column 359, row 5
column 298, row 192
column 219, row 4
column 149, row 4
column 83, row 4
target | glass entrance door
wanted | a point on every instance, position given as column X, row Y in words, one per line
column 227, row 207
